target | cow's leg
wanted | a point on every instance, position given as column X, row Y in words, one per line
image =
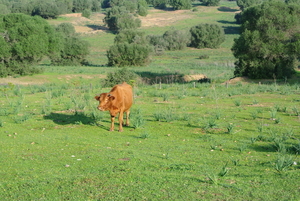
column 121, row 121
column 112, row 125
column 127, row 117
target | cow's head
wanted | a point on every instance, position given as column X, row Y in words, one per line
column 105, row 101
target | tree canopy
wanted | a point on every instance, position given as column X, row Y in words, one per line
column 24, row 41
column 269, row 44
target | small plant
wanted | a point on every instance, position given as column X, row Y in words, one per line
column 273, row 113
column 296, row 111
column 204, row 56
column 235, row 162
column 283, row 162
column 223, row 171
column 213, row 178
column 255, row 102
column 254, row 114
column 165, row 96
column 242, row 147
column 278, row 120
column 237, row 103
column 144, row 135
column 230, row 128
column 211, row 123
column 137, row 119
column 1, row 123
column 260, row 127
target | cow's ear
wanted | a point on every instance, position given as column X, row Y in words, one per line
column 111, row 97
column 97, row 97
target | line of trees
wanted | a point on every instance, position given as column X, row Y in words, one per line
column 54, row 8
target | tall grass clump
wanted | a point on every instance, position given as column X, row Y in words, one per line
column 283, row 162
column 137, row 118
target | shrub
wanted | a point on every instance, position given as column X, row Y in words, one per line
column 86, row 13
column 125, row 54
column 118, row 18
column 211, row 2
column 131, row 36
column 268, row 46
column 73, row 50
column 176, row 39
column 181, row 4
column 25, row 41
column 119, row 76
column 45, row 9
column 243, row 4
column 207, row 36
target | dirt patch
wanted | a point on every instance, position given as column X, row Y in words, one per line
column 42, row 79
column 164, row 19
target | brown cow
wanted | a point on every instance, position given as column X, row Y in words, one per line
column 118, row 100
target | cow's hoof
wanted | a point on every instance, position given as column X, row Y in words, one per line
column 111, row 130
column 120, row 130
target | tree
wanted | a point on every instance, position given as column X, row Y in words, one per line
column 243, row 4
column 24, row 41
column 207, row 36
column 45, row 9
column 181, row 4
column 73, row 51
column 176, row 39
column 130, row 49
column 118, row 18
column 211, row 2
column 269, row 42
column 81, row 5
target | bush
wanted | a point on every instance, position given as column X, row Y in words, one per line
column 176, row 39
column 211, row 2
column 118, row 18
column 207, row 36
column 125, row 54
column 119, row 76
column 73, row 50
column 268, row 46
column 45, row 9
column 86, row 13
column 131, row 36
column 25, row 41
column 243, row 4
column 181, row 4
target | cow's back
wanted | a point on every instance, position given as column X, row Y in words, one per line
column 123, row 94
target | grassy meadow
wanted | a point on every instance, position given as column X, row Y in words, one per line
column 186, row 141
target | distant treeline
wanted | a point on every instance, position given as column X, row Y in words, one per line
column 54, row 8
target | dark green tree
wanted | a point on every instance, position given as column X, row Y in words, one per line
column 81, row 5
column 73, row 51
column 181, row 4
column 24, row 41
column 207, row 36
column 125, row 54
column 131, row 36
column 118, row 18
column 243, row 4
column 130, row 49
column 45, row 9
column 176, row 39
column 211, row 2
column 269, row 44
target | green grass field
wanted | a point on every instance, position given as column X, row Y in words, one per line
column 186, row 141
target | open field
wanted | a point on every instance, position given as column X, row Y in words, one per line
column 186, row 141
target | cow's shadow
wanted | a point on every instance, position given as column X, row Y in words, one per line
column 70, row 118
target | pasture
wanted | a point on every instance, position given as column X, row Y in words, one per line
column 186, row 141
